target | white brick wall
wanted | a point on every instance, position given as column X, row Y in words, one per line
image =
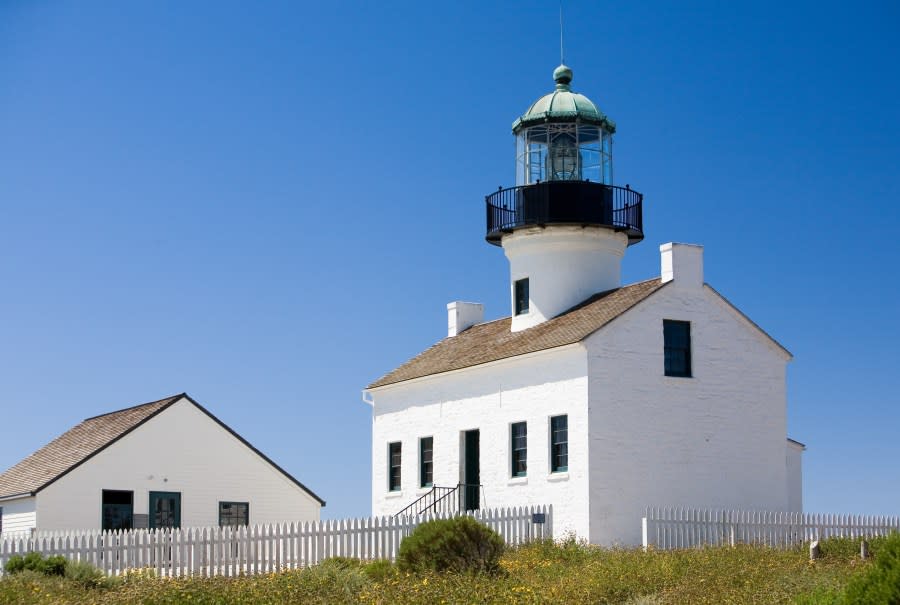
column 531, row 388
column 180, row 450
column 637, row 438
column 716, row 439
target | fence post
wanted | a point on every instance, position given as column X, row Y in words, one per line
column 645, row 535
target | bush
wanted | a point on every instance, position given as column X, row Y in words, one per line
column 33, row 561
column 342, row 562
column 54, row 565
column 85, row 574
column 15, row 564
column 880, row 585
column 379, row 570
column 458, row 544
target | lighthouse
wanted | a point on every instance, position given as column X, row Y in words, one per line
column 593, row 396
column 564, row 226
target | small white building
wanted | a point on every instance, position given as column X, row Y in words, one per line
column 597, row 398
column 169, row 463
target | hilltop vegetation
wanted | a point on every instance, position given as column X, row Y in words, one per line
column 538, row 573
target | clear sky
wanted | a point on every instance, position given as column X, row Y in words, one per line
column 269, row 204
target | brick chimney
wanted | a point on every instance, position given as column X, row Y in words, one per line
column 462, row 316
column 682, row 263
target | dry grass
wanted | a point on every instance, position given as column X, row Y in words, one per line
column 539, row 573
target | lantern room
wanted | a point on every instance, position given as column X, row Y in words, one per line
column 564, row 170
column 563, row 137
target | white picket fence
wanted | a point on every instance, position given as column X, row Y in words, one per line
column 212, row 551
column 668, row 528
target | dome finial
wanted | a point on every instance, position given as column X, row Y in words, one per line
column 562, row 75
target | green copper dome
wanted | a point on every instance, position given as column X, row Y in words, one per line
column 563, row 105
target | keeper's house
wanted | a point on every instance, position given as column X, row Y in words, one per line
column 168, row 463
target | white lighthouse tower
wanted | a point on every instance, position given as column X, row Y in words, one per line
column 564, row 227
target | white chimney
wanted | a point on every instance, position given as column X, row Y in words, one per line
column 682, row 263
column 462, row 316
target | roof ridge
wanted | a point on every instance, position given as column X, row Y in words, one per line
column 492, row 341
column 134, row 407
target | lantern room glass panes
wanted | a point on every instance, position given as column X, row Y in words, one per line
column 563, row 152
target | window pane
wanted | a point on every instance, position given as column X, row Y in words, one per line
column 519, row 454
column 559, row 443
column 677, row 347
column 394, row 467
column 521, row 296
column 233, row 514
column 426, row 470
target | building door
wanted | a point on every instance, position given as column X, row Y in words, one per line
column 165, row 509
column 116, row 509
column 471, row 471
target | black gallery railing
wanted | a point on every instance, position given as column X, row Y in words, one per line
column 565, row 203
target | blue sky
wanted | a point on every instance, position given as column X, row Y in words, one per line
column 268, row 205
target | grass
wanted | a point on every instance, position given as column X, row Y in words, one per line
column 545, row 572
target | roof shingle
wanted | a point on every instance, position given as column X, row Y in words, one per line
column 493, row 340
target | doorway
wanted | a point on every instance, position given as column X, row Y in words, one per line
column 165, row 510
column 471, row 478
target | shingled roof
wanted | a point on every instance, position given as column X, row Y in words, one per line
column 90, row 437
column 493, row 340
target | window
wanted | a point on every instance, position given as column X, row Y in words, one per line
column 234, row 514
column 394, row 467
column 116, row 509
column 426, row 461
column 559, row 444
column 519, row 445
column 677, row 343
column 521, row 302
column 1, row 519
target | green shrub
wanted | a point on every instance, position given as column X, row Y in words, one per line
column 14, row 564
column 379, row 570
column 54, row 565
column 458, row 544
column 880, row 585
column 34, row 561
column 342, row 562
column 85, row 574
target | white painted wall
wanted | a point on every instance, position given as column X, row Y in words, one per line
column 179, row 450
column 529, row 388
column 18, row 515
column 794, row 463
column 716, row 439
column 564, row 266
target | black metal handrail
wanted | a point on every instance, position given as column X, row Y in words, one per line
column 565, row 203
column 440, row 499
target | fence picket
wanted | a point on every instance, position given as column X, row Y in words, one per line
column 678, row 527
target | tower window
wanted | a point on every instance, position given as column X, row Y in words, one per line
column 559, row 444
column 394, row 467
column 677, row 344
column 426, row 461
column 519, row 445
column 521, row 296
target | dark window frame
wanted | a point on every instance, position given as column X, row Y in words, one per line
column 1, row 519
column 107, row 497
column 426, row 467
column 395, row 483
column 234, row 503
column 518, row 449
column 521, row 296
column 677, row 348
column 559, row 443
